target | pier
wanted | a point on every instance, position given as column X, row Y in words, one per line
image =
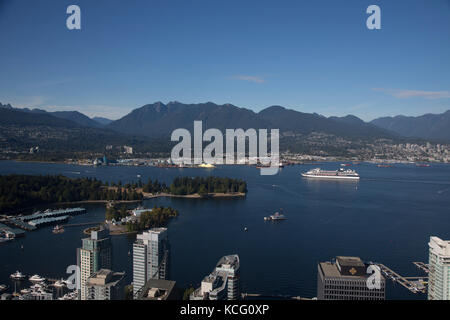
column 83, row 224
column 422, row 266
column 413, row 284
column 273, row 296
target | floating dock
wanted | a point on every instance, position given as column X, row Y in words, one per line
column 16, row 232
column 20, row 224
column 48, row 221
column 41, row 219
column 54, row 213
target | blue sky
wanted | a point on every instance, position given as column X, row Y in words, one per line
column 311, row 56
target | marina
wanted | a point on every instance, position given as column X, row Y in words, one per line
column 42, row 219
column 37, row 287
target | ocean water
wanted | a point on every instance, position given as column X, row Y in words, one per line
column 387, row 216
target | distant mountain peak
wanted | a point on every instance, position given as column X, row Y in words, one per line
column 6, row 106
column 348, row 119
column 273, row 109
column 103, row 121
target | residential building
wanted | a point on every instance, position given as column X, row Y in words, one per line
column 223, row 283
column 346, row 279
column 439, row 269
column 95, row 254
column 105, row 285
column 128, row 150
column 150, row 257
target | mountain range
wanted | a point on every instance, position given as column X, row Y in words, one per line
column 63, row 133
column 427, row 126
column 158, row 120
column 73, row 116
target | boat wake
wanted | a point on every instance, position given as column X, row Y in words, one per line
column 443, row 191
column 287, row 190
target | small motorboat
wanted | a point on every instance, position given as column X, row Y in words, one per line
column 275, row 217
column 59, row 283
column 36, row 278
column 58, row 229
column 18, row 276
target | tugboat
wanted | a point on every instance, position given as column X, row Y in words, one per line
column 18, row 276
column 58, row 229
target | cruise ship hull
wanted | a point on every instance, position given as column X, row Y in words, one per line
column 330, row 177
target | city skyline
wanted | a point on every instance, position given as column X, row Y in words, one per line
column 239, row 152
column 304, row 56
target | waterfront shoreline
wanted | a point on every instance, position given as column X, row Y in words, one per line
column 195, row 195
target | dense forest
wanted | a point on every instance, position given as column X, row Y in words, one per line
column 116, row 212
column 18, row 192
column 200, row 185
column 154, row 218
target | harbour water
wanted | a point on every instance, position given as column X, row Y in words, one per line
column 387, row 216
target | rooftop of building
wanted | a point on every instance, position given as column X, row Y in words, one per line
column 99, row 234
column 157, row 289
column 105, row 277
column 153, row 234
column 157, row 230
column 348, row 267
column 349, row 261
column 229, row 262
column 226, row 267
column 329, row 269
column 439, row 246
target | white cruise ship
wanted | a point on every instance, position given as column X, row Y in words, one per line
column 337, row 174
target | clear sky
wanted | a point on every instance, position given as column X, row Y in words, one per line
column 311, row 56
